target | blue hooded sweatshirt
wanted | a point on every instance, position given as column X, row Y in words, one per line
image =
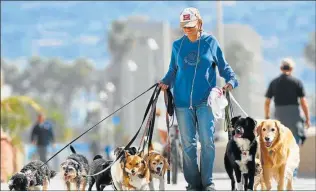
column 182, row 66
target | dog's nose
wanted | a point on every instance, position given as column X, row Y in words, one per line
column 267, row 138
column 133, row 171
column 158, row 168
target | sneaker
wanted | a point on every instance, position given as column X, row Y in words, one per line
column 210, row 188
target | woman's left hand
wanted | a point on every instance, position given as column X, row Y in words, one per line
column 228, row 87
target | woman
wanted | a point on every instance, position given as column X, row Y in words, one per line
column 192, row 75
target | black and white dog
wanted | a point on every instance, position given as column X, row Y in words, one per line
column 33, row 176
column 240, row 153
column 103, row 179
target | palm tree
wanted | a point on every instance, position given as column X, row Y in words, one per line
column 15, row 116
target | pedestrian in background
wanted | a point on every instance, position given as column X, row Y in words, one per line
column 288, row 93
column 42, row 136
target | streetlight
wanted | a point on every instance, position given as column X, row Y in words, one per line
column 153, row 46
column 110, row 87
column 220, row 36
column 103, row 96
column 132, row 67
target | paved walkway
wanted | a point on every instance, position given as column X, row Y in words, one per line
column 221, row 183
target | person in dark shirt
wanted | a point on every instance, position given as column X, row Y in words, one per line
column 42, row 136
column 287, row 91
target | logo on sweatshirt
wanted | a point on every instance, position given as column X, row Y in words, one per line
column 191, row 58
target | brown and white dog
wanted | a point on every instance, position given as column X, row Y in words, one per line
column 158, row 165
column 136, row 174
column 279, row 154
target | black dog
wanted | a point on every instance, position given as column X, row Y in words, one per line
column 240, row 153
column 103, row 179
column 33, row 176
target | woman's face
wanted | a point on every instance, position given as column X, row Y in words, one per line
column 191, row 30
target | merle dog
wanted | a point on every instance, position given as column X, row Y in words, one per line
column 74, row 170
column 103, row 179
column 33, row 176
column 240, row 153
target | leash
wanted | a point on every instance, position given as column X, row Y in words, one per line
column 153, row 86
column 151, row 101
column 150, row 123
column 229, row 113
column 168, row 98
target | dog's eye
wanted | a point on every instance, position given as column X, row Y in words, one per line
column 130, row 164
column 160, row 163
column 137, row 164
column 154, row 163
column 264, row 129
column 273, row 129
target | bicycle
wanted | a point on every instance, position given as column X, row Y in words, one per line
column 175, row 150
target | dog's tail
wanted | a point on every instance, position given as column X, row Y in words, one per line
column 52, row 174
column 72, row 149
column 97, row 157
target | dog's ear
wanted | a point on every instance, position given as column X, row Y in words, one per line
column 251, row 122
column 234, row 120
column 62, row 164
column 151, row 147
column 259, row 127
column 126, row 154
column 32, row 183
column 133, row 150
column 144, row 162
column 280, row 127
column 166, row 165
column 117, row 150
column 140, row 154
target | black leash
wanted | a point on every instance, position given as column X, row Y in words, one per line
column 150, row 122
column 170, row 112
column 151, row 101
column 127, row 146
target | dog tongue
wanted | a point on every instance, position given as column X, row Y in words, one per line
column 268, row 144
column 238, row 135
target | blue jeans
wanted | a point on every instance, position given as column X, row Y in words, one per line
column 199, row 119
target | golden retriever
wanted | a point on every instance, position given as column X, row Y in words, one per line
column 279, row 154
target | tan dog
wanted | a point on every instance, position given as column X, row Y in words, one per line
column 136, row 174
column 158, row 166
column 279, row 153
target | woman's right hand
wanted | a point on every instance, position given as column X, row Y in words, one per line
column 163, row 86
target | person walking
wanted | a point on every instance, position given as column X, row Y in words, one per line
column 42, row 136
column 192, row 76
column 287, row 91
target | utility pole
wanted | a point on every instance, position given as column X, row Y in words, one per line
column 220, row 37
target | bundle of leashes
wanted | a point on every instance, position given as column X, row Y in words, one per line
column 149, row 126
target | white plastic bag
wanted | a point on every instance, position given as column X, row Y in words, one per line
column 217, row 101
